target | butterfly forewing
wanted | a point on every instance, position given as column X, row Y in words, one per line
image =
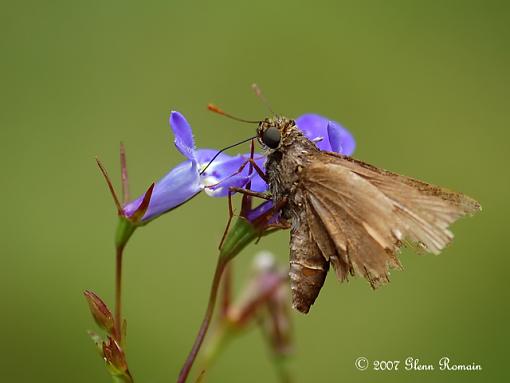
column 359, row 215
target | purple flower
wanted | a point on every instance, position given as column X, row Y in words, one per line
column 327, row 135
column 188, row 179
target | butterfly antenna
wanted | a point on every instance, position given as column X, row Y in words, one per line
column 258, row 93
column 222, row 150
column 215, row 109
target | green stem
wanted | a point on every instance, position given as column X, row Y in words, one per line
column 118, row 294
column 215, row 344
column 122, row 379
column 241, row 234
column 220, row 267
column 280, row 363
column 125, row 230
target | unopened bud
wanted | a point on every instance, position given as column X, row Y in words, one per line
column 114, row 356
column 102, row 315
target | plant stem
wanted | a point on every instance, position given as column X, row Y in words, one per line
column 279, row 362
column 226, row 290
column 222, row 334
column 118, row 294
column 241, row 234
column 186, row 368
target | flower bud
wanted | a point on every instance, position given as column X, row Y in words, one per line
column 116, row 360
column 264, row 283
column 277, row 323
column 102, row 315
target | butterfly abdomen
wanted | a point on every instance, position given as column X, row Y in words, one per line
column 308, row 269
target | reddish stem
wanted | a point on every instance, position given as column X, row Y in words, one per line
column 188, row 364
column 226, row 290
column 118, row 294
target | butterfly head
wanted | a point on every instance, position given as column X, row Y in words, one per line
column 273, row 132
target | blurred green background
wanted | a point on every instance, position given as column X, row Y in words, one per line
column 422, row 85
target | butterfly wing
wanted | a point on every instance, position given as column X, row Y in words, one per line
column 358, row 215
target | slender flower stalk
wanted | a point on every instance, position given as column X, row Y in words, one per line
column 226, row 295
column 112, row 349
column 118, row 294
column 125, row 229
column 186, row 368
column 241, row 234
column 118, row 249
column 244, row 231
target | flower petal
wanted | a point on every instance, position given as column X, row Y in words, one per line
column 335, row 138
column 259, row 210
column 175, row 188
column 341, row 138
column 221, row 189
column 257, row 183
column 204, row 156
column 183, row 135
column 225, row 167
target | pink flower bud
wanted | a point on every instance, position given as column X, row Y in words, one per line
column 115, row 358
column 102, row 315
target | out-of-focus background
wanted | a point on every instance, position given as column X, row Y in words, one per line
column 422, row 85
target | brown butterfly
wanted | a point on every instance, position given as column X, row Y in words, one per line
column 349, row 214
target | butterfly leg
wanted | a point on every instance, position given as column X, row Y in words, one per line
column 253, row 165
column 251, row 193
column 272, row 227
column 230, row 215
column 259, row 171
column 246, row 192
column 281, row 224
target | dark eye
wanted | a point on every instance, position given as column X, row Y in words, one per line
column 271, row 137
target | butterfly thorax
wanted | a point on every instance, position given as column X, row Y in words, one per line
column 285, row 163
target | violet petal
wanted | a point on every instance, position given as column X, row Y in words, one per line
column 183, row 136
column 175, row 188
column 221, row 189
column 335, row 138
column 315, row 127
column 259, row 210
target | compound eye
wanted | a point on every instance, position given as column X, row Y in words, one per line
column 271, row 137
